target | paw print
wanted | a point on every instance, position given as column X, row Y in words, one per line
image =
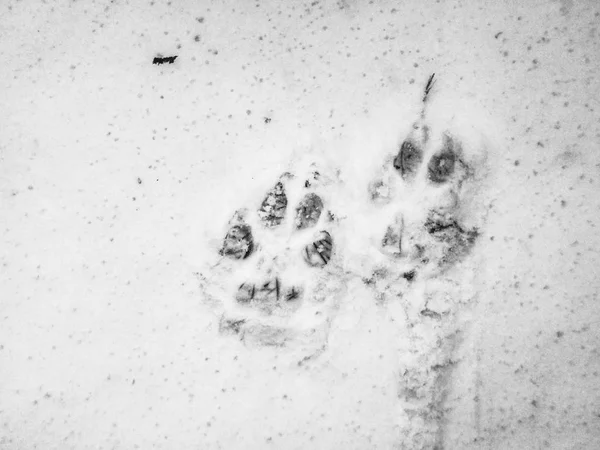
column 422, row 198
column 278, row 269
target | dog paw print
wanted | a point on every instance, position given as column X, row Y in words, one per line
column 278, row 270
column 423, row 203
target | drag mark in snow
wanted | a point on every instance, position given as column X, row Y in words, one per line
column 426, row 219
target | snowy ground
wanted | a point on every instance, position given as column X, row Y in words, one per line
column 119, row 177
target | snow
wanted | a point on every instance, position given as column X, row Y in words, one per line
column 118, row 179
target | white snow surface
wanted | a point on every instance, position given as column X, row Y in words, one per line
column 118, row 179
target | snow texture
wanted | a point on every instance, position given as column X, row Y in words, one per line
column 289, row 235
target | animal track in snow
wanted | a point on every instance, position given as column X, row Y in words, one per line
column 278, row 277
column 284, row 261
column 420, row 200
column 427, row 216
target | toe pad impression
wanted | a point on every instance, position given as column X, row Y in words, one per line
column 238, row 242
column 318, row 253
